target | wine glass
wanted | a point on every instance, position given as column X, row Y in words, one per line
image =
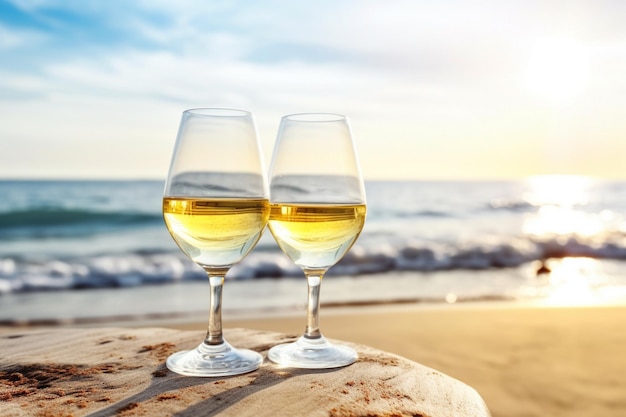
column 216, row 206
column 317, row 212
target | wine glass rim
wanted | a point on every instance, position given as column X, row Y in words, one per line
column 315, row 117
column 217, row 112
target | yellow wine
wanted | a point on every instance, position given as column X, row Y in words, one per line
column 215, row 232
column 316, row 236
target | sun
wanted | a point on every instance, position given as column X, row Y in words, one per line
column 558, row 69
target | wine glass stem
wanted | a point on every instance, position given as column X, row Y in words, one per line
column 214, row 332
column 314, row 282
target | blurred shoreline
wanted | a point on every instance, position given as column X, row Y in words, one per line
column 96, row 251
column 97, row 234
column 286, row 297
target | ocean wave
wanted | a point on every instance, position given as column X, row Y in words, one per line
column 424, row 213
column 378, row 214
column 511, row 205
column 59, row 222
column 125, row 270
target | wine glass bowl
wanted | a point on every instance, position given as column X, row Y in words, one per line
column 215, row 206
column 318, row 210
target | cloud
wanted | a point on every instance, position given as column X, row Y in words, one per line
column 13, row 39
column 438, row 71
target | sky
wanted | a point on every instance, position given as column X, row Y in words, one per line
column 434, row 90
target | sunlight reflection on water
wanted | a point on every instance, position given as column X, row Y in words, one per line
column 571, row 280
column 557, row 197
column 577, row 281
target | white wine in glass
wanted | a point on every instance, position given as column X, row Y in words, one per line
column 215, row 206
column 317, row 212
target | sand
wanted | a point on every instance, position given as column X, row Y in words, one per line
column 120, row 371
column 524, row 361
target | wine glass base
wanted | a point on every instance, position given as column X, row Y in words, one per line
column 312, row 354
column 214, row 361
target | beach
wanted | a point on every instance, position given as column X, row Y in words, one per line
column 522, row 298
column 523, row 360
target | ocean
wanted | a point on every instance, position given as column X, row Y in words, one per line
column 95, row 250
